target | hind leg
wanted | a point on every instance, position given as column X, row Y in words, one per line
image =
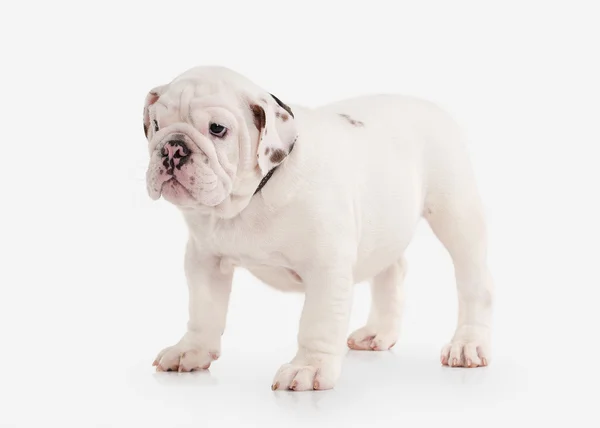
column 458, row 223
column 381, row 331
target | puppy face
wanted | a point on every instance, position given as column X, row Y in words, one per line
column 210, row 133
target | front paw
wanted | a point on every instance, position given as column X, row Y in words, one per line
column 308, row 372
column 189, row 354
column 469, row 348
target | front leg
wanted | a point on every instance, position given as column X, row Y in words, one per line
column 323, row 328
column 209, row 289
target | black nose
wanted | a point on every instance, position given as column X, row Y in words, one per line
column 175, row 154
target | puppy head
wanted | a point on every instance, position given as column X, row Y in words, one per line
column 212, row 135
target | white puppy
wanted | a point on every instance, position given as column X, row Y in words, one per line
column 339, row 209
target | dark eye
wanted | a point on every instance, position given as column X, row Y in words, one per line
column 155, row 126
column 217, row 130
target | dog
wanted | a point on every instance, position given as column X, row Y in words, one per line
column 313, row 200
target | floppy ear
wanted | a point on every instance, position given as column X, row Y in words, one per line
column 151, row 98
column 277, row 132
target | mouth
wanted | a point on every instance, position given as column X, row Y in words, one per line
column 174, row 183
column 173, row 191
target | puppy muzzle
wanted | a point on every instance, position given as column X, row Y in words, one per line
column 185, row 169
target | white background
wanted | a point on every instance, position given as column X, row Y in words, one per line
column 92, row 285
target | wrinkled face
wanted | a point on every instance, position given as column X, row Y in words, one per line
column 207, row 135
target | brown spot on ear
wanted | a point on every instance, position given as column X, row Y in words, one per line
column 278, row 155
column 282, row 105
column 260, row 118
column 267, row 150
column 145, row 130
column 282, row 116
column 353, row 122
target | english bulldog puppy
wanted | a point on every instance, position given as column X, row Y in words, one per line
column 313, row 200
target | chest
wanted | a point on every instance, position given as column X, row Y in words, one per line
column 260, row 245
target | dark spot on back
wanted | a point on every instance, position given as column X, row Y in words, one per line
column 352, row 122
column 282, row 105
column 260, row 119
column 278, row 155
